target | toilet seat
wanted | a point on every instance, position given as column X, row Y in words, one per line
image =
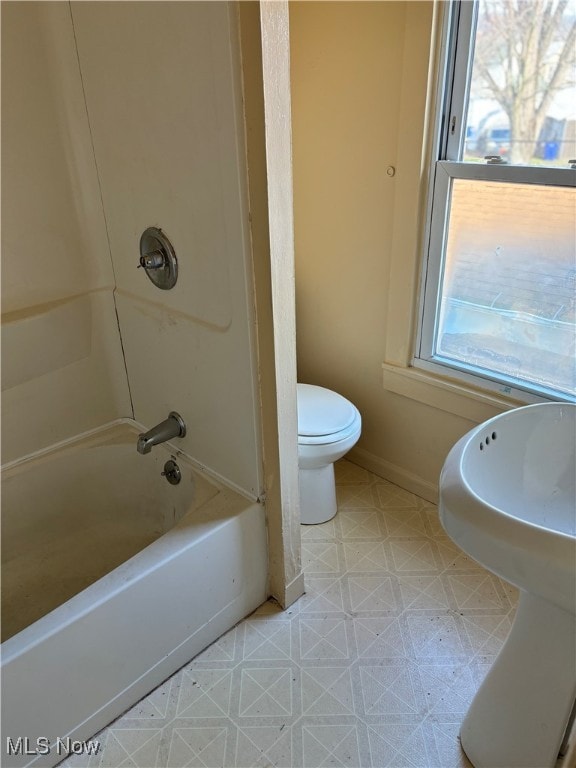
column 328, row 427
column 324, row 416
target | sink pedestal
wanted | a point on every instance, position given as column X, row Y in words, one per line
column 519, row 715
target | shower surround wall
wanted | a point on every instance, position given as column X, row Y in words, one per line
column 62, row 369
column 116, row 117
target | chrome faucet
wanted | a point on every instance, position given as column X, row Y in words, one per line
column 173, row 426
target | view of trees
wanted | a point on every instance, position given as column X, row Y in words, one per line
column 525, row 55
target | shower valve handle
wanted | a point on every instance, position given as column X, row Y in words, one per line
column 158, row 258
column 152, row 260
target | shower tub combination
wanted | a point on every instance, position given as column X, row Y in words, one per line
column 112, row 579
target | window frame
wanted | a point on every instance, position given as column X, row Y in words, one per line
column 457, row 52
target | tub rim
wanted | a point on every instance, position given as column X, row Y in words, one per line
column 153, row 556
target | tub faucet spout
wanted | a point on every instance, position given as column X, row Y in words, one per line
column 171, row 427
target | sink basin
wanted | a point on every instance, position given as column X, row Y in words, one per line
column 508, row 499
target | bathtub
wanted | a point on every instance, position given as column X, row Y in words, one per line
column 113, row 578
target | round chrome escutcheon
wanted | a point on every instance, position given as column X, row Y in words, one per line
column 158, row 258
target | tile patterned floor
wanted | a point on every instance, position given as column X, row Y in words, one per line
column 373, row 668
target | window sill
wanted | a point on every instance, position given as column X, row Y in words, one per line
column 444, row 394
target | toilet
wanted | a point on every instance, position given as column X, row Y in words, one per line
column 328, row 426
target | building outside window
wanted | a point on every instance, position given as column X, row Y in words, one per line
column 499, row 287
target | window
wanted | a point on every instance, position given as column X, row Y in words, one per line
column 499, row 288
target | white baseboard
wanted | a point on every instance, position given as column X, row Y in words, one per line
column 294, row 590
column 394, row 474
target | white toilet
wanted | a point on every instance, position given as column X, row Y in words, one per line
column 328, row 426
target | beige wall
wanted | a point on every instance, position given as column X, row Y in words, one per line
column 359, row 91
column 346, row 80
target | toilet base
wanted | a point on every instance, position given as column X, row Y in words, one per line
column 519, row 716
column 317, row 495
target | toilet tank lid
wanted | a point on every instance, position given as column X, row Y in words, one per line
column 321, row 411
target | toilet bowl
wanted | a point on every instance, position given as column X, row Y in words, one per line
column 328, row 426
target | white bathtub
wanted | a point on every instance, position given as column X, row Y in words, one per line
column 112, row 579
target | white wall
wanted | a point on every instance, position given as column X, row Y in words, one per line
column 142, row 125
column 162, row 83
column 62, row 369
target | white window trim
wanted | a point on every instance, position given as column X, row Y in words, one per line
column 444, row 394
column 445, row 172
column 400, row 376
column 448, row 140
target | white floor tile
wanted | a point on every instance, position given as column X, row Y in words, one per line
column 373, row 668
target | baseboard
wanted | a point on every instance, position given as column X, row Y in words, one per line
column 294, row 590
column 394, row 474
